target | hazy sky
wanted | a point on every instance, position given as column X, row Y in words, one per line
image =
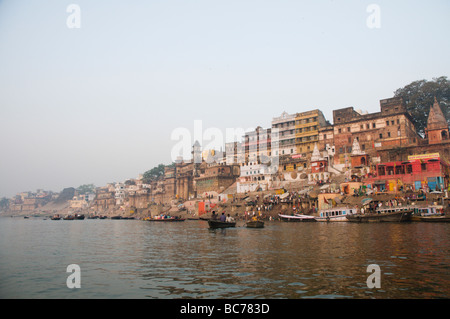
column 98, row 104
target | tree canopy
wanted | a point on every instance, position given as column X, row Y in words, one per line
column 86, row 189
column 419, row 97
column 154, row 174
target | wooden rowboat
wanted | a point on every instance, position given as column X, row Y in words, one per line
column 220, row 224
column 255, row 224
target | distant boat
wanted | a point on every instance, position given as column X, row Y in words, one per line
column 116, row 217
column 297, row 218
column 26, row 217
column 255, row 224
column 80, row 217
column 397, row 214
column 69, row 217
column 56, row 217
column 165, row 218
column 219, row 224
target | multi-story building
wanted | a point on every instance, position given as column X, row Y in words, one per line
column 283, row 135
column 390, row 128
column 257, row 145
column 307, row 125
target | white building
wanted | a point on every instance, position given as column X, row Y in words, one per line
column 283, row 135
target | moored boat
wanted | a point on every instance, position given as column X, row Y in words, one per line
column 426, row 211
column 165, row 219
column 69, row 217
column 219, row 224
column 56, row 217
column 337, row 214
column 79, row 217
column 397, row 214
column 297, row 218
column 435, row 218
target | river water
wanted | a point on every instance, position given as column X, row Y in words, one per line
column 139, row 259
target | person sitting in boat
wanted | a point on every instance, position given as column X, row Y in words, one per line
column 229, row 219
column 214, row 216
column 223, row 218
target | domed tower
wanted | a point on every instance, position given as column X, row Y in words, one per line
column 437, row 126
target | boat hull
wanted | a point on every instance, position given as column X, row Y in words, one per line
column 400, row 216
column 219, row 224
column 166, row 220
column 435, row 219
column 332, row 219
column 297, row 218
column 255, row 224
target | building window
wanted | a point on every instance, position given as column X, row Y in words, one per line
column 387, row 123
column 348, row 129
column 389, row 134
column 373, row 125
column 324, row 136
column 339, row 131
column 381, row 135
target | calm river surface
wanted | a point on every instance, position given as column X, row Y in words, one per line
column 139, row 259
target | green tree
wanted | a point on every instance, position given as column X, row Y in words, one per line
column 154, row 174
column 4, row 203
column 85, row 189
column 419, row 96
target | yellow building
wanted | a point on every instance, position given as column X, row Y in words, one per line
column 307, row 126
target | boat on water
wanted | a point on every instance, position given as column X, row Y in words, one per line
column 435, row 218
column 165, row 219
column 255, row 224
column 79, row 217
column 297, row 218
column 219, row 224
column 336, row 214
column 426, row 211
column 69, row 217
column 389, row 214
column 56, row 217
column 116, row 217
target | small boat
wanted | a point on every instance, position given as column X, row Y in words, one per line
column 337, row 214
column 297, row 218
column 397, row 214
column 26, row 217
column 102, row 217
column 79, row 217
column 255, row 224
column 116, row 217
column 69, row 217
column 219, row 224
column 56, row 217
column 93, row 217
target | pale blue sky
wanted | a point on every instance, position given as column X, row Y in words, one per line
column 98, row 104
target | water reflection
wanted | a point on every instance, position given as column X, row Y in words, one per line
column 136, row 259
